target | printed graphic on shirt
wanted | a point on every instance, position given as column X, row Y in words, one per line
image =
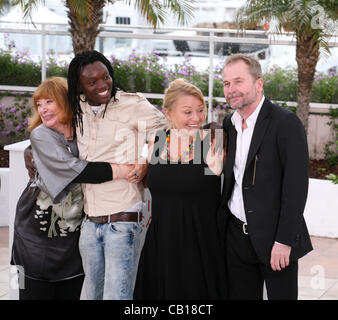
column 62, row 218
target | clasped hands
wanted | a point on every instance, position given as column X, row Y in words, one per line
column 133, row 172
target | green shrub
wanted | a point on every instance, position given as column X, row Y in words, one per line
column 140, row 74
column 14, row 121
column 15, row 70
column 150, row 74
column 281, row 84
column 56, row 68
column 325, row 88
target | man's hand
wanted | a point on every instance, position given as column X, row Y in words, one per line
column 280, row 256
column 139, row 171
column 29, row 162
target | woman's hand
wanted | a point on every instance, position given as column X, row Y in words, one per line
column 29, row 163
column 121, row 171
column 215, row 160
column 139, row 171
column 216, row 153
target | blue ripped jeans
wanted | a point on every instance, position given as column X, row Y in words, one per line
column 109, row 254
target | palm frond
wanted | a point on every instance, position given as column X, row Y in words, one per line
column 183, row 8
column 324, row 50
column 156, row 11
column 28, row 7
column 79, row 7
column 151, row 10
column 259, row 11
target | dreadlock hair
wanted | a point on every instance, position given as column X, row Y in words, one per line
column 73, row 79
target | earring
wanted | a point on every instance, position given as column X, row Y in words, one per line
column 82, row 98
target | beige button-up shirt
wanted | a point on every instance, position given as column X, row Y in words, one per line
column 116, row 137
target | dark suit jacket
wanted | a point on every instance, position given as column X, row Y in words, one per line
column 275, row 182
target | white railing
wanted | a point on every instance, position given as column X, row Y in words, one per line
column 147, row 32
column 4, row 196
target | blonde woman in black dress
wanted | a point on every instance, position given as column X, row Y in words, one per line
column 182, row 257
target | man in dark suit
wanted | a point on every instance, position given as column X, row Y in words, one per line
column 265, row 188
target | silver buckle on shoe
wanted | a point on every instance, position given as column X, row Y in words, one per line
column 244, row 228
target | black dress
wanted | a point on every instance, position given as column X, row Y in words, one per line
column 182, row 257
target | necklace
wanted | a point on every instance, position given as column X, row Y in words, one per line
column 187, row 152
column 70, row 136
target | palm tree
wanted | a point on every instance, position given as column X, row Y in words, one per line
column 85, row 16
column 310, row 22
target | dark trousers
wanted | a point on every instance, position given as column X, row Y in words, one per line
column 247, row 274
column 45, row 290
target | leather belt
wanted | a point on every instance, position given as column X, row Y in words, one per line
column 116, row 217
column 239, row 224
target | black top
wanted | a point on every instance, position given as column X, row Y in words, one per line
column 182, row 257
column 275, row 181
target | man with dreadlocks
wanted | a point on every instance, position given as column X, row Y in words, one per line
column 111, row 126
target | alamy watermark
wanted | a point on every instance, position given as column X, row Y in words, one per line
column 318, row 280
column 17, row 277
column 130, row 144
column 320, row 19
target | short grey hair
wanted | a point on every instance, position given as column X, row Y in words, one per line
column 255, row 68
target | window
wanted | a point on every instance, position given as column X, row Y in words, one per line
column 122, row 20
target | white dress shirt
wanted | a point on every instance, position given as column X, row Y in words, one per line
column 236, row 204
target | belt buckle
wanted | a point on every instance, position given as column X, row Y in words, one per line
column 244, row 228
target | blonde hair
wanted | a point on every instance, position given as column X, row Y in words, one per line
column 54, row 88
column 178, row 88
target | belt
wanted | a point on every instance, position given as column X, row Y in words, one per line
column 116, row 217
column 239, row 224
